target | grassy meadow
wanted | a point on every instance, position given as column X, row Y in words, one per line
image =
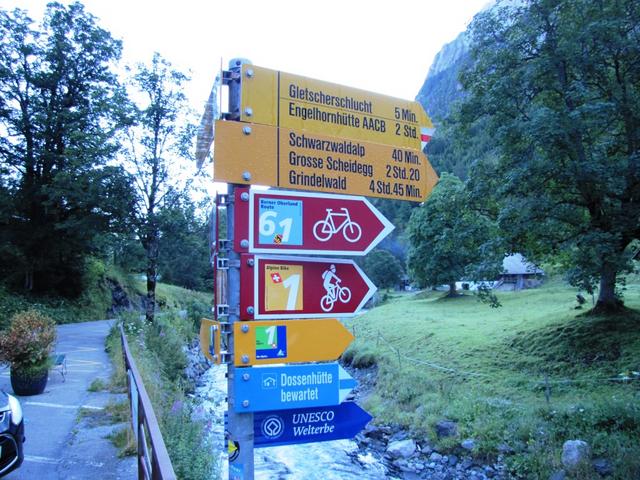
column 525, row 377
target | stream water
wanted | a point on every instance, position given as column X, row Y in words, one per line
column 335, row 460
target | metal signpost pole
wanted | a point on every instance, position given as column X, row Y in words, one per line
column 240, row 426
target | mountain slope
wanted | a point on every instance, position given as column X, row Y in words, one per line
column 441, row 87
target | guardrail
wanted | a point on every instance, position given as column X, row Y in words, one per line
column 153, row 459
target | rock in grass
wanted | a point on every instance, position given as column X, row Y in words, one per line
column 375, row 432
column 446, row 428
column 575, row 453
column 402, row 448
column 435, row 457
column 468, row 444
column 506, row 449
column 602, row 466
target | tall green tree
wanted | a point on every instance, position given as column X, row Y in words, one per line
column 59, row 109
column 448, row 151
column 157, row 155
column 450, row 240
column 557, row 85
column 384, row 270
column 184, row 247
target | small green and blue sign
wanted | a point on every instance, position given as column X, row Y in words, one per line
column 271, row 342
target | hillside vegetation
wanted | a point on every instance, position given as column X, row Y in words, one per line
column 525, row 377
column 99, row 281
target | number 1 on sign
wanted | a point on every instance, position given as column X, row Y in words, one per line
column 286, row 232
column 271, row 334
column 292, row 284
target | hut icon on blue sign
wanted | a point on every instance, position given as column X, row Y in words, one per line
column 269, row 381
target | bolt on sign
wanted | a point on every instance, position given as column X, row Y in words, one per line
column 281, row 99
column 281, row 157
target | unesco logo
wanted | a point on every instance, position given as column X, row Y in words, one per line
column 272, row 427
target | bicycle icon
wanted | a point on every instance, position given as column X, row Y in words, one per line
column 323, row 230
column 331, row 284
column 338, row 293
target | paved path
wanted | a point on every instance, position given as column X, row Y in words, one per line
column 60, row 443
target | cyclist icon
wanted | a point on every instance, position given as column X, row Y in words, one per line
column 331, row 284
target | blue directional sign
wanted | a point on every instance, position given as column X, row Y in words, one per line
column 308, row 425
column 291, row 386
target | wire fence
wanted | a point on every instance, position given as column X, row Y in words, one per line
column 627, row 377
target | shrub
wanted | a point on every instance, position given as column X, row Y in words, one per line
column 187, row 443
column 164, row 340
column 27, row 343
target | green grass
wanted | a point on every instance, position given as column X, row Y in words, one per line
column 531, row 374
column 98, row 385
column 123, row 439
column 158, row 354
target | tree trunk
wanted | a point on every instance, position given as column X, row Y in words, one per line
column 608, row 302
column 452, row 290
column 152, row 273
column 28, row 279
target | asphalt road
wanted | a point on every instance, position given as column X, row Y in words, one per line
column 61, row 443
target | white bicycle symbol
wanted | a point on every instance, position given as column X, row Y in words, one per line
column 338, row 293
column 323, row 230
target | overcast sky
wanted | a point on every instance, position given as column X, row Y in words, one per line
column 381, row 46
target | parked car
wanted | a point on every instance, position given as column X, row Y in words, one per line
column 11, row 433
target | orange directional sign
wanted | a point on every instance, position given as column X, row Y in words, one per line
column 281, row 157
column 292, row 341
column 281, row 99
column 210, row 344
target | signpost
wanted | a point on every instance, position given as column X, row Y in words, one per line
column 307, row 425
column 281, row 157
column 302, row 287
column 278, row 341
column 288, row 131
column 291, row 386
column 281, row 221
column 239, row 432
column 281, row 99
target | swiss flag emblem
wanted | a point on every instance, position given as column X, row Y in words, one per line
column 276, row 278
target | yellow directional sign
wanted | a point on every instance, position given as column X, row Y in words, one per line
column 280, row 99
column 210, row 340
column 290, row 341
column 302, row 160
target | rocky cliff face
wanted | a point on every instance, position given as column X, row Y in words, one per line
column 441, row 87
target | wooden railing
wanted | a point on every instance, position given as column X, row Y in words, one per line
column 153, row 458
